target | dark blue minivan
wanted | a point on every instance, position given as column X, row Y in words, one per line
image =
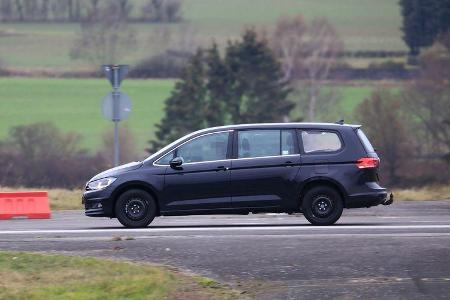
column 312, row 168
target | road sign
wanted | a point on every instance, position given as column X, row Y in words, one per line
column 119, row 112
column 116, row 105
column 115, row 73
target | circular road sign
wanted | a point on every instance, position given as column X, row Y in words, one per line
column 124, row 107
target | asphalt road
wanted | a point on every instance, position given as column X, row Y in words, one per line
column 400, row 251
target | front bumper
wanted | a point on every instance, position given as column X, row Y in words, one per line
column 95, row 206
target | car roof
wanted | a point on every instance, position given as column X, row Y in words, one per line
column 299, row 125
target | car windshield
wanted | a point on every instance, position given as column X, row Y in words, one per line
column 157, row 153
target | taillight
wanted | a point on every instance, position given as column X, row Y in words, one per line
column 367, row 162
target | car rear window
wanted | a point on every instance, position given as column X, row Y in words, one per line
column 320, row 141
column 365, row 141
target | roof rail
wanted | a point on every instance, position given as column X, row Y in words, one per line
column 340, row 122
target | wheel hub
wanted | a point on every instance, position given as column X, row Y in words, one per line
column 322, row 206
column 135, row 209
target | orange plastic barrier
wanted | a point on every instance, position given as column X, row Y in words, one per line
column 33, row 205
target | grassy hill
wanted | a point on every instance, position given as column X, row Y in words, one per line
column 363, row 25
column 75, row 105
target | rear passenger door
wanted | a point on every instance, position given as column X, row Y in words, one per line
column 263, row 171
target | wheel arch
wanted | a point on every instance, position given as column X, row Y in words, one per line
column 135, row 185
column 322, row 181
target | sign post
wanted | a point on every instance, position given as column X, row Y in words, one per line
column 116, row 105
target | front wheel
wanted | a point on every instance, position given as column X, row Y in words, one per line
column 322, row 205
column 135, row 208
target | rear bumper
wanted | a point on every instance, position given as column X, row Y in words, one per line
column 369, row 199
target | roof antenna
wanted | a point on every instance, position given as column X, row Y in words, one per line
column 340, row 122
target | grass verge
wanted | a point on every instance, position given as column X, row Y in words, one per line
column 439, row 192
column 42, row 276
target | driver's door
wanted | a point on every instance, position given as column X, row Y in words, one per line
column 202, row 181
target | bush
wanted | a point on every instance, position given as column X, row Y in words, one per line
column 39, row 155
column 166, row 65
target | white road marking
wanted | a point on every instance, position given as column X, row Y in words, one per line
column 234, row 236
column 259, row 227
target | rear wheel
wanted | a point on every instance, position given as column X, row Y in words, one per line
column 135, row 208
column 322, row 205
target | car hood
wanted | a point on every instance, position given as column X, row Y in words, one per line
column 118, row 170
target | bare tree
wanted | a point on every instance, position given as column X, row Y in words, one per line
column 20, row 11
column 323, row 48
column 6, row 10
column 428, row 100
column 44, row 10
column 105, row 36
column 288, row 43
column 391, row 141
column 307, row 52
column 162, row 11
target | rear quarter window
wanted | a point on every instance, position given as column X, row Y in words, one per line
column 365, row 141
column 320, row 141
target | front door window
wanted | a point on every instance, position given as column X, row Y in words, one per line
column 209, row 147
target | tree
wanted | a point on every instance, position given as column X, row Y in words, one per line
column 104, row 36
column 183, row 110
column 257, row 93
column 288, row 43
column 218, row 85
column 162, row 11
column 244, row 86
column 39, row 155
column 307, row 51
column 427, row 99
column 423, row 22
column 6, row 10
column 386, row 130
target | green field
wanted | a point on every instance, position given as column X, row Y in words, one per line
column 74, row 105
column 363, row 25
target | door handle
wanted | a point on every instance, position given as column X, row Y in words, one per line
column 289, row 163
column 222, row 168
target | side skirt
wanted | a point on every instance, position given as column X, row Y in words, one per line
column 225, row 211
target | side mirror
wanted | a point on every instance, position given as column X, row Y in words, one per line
column 176, row 162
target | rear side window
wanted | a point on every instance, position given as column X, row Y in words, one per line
column 365, row 141
column 260, row 143
column 320, row 141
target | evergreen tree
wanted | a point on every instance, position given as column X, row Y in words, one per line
column 257, row 92
column 423, row 21
column 219, row 82
column 244, row 87
column 184, row 107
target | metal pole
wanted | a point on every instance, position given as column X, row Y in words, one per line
column 116, row 120
column 116, row 143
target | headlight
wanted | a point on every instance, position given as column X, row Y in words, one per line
column 100, row 184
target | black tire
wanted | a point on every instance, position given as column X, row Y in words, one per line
column 135, row 208
column 322, row 205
